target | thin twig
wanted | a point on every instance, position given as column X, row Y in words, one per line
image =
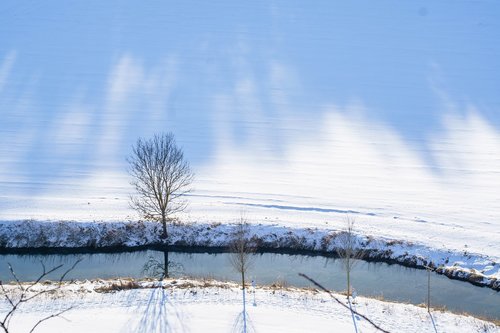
column 342, row 303
column 23, row 298
column 44, row 274
column 69, row 270
column 6, row 295
column 48, row 317
column 15, row 276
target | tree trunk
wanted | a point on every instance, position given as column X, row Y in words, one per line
column 243, row 279
column 164, row 222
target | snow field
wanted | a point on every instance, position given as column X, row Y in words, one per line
column 211, row 306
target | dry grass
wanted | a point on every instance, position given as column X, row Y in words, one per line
column 460, row 313
column 280, row 283
column 380, row 298
column 118, row 286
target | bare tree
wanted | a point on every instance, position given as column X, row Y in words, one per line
column 24, row 293
column 241, row 248
column 430, row 268
column 161, row 176
column 348, row 250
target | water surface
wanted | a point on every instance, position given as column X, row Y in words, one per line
column 392, row 282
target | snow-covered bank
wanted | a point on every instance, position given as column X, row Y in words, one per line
column 211, row 306
column 30, row 234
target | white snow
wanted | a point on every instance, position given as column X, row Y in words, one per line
column 210, row 306
column 349, row 166
column 281, row 125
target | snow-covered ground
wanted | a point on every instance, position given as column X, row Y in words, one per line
column 291, row 115
column 348, row 166
column 275, row 125
column 342, row 164
column 210, row 306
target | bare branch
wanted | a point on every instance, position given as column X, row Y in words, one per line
column 44, row 274
column 49, row 290
column 24, row 292
column 342, row 303
column 49, row 317
column 15, row 276
column 70, row 269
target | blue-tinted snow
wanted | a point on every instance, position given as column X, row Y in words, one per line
column 384, row 107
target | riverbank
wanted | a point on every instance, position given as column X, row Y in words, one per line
column 186, row 305
column 35, row 235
